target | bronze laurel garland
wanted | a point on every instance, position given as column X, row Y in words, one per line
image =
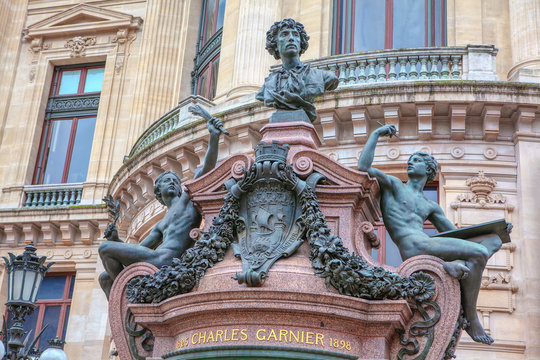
column 349, row 273
column 186, row 272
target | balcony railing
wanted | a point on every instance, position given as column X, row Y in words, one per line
column 52, row 195
column 471, row 62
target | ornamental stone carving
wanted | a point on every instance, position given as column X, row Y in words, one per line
column 78, row 45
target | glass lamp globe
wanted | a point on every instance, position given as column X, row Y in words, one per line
column 25, row 273
column 2, row 350
column 54, row 352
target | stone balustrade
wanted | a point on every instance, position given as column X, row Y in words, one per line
column 471, row 62
column 175, row 119
column 52, row 195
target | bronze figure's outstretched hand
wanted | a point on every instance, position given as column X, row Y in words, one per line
column 212, row 121
column 387, row 130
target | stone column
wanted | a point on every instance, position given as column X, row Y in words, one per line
column 165, row 62
column 244, row 62
column 527, row 148
column 525, row 40
column 12, row 18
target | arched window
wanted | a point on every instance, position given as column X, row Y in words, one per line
column 208, row 49
column 362, row 25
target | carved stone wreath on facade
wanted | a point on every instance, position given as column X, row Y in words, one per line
column 78, row 45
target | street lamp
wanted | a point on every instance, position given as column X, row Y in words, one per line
column 25, row 273
column 54, row 351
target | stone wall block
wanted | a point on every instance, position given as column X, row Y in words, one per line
column 481, row 63
column 69, row 233
column 360, row 119
column 190, row 159
column 135, row 191
column 32, row 233
column 491, row 116
column 458, row 114
column 13, row 234
column 391, row 117
column 523, row 120
column 50, row 233
column 89, row 231
column 425, row 121
column 330, row 123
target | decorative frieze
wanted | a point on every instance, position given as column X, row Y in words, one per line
column 73, row 103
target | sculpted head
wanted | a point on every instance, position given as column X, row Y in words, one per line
column 286, row 37
column 422, row 162
column 167, row 181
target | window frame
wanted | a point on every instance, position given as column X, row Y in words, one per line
column 207, row 52
column 69, row 152
column 82, row 80
column 429, row 24
column 73, row 114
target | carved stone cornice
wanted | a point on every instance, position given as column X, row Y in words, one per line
column 94, row 19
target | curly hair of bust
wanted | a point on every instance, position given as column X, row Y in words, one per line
column 157, row 192
column 431, row 163
column 271, row 36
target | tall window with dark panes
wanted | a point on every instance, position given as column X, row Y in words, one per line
column 363, row 25
column 208, row 49
column 53, row 303
column 68, row 130
column 388, row 252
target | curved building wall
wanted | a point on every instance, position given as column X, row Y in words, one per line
column 481, row 125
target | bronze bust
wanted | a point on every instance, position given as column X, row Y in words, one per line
column 295, row 85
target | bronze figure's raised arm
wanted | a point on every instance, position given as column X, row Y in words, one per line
column 295, row 85
column 170, row 237
column 405, row 209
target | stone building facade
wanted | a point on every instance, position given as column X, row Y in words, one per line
column 95, row 96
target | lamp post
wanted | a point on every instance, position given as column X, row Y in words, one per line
column 25, row 273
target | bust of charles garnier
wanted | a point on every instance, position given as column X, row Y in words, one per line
column 295, row 85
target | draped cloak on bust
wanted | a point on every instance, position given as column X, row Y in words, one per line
column 296, row 88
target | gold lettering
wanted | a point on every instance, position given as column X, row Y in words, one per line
column 225, row 336
column 203, row 341
column 272, row 334
column 258, row 331
column 243, row 332
column 219, row 333
column 282, row 333
column 211, row 336
column 193, row 337
column 178, row 344
column 309, row 334
column 302, row 341
column 296, row 337
column 233, row 335
column 319, row 336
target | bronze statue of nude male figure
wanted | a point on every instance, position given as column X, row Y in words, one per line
column 405, row 208
column 170, row 237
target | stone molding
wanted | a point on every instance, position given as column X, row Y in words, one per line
column 68, row 22
column 53, row 227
